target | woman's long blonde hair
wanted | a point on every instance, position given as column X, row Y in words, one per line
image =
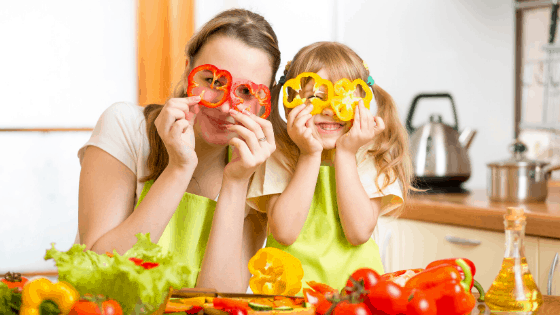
column 246, row 26
column 390, row 149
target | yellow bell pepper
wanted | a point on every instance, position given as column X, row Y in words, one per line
column 345, row 99
column 39, row 290
column 275, row 272
column 318, row 103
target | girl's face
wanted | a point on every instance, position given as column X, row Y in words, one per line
column 244, row 63
column 326, row 126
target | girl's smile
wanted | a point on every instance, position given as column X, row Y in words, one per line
column 330, row 128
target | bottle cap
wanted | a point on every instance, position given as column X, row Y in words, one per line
column 513, row 213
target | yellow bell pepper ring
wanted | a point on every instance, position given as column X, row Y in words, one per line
column 39, row 290
column 345, row 99
column 318, row 103
column 275, row 272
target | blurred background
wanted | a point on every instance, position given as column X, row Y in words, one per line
column 64, row 62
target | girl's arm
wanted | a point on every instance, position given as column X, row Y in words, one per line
column 288, row 211
column 106, row 202
column 358, row 213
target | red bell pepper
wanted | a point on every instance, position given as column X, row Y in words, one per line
column 392, row 275
column 225, row 303
column 255, row 90
column 452, row 261
column 321, row 287
column 433, row 277
column 217, row 73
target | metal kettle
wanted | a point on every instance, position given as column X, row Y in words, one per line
column 439, row 152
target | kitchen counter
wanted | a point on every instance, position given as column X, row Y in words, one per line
column 475, row 210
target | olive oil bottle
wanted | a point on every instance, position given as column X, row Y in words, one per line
column 514, row 290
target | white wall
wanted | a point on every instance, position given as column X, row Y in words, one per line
column 64, row 62
column 61, row 64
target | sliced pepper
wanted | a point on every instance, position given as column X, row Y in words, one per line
column 321, row 287
column 40, row 290
column 345, row 99
column 225, row 303
column 318, row 103
column 433, row 277
column 275, row 272
column 217, row 74
column 260, row 94
column 390, row 276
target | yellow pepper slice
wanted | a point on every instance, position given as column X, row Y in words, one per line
column 345, row 99
column 275, row 272
column 42, row 289
column 318, row 103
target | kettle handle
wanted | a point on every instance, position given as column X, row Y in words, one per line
column 434, row 95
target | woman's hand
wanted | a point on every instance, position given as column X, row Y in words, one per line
column 365, row 128
column 175, row 127
column 300, row 131
column 254, row 144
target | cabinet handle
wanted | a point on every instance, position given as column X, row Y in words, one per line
column 551, row 273
column 386, row 240
column 462, row 241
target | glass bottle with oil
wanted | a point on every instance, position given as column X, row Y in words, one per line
column 514, row 289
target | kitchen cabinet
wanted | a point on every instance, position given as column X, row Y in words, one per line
column 548, row 247
column 406, row 244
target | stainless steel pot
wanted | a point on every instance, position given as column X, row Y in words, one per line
column 519, row 179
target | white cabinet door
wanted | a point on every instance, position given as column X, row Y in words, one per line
column 414, row 244
column 548, row 248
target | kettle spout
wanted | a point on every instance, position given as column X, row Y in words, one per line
column 466, row 137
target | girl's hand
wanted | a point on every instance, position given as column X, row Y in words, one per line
column 300, row 131
column 365, row 128
column 175, row 127
column 253, row 146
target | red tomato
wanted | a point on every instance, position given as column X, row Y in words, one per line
column 322, row 306
column 369, row 276
column 85, row 307
column 347, row 308
column 387, row 297
column 421, row 304
column 236, row 311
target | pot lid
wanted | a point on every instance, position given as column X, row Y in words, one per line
column 518, row 150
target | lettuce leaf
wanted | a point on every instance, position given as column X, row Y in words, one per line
column 10, row 301
column 119, row 278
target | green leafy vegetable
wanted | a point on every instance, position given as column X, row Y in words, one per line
column 119, row 278
column 10, row 300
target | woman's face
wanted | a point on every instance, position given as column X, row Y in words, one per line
column 244, row 63
column 326, row 126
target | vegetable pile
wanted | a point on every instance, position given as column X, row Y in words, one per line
column 442, row 288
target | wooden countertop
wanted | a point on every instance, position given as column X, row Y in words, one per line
column 475, row 210
column 550, row 306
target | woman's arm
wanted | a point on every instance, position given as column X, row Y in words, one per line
column 358, row 213
column 288, row 211
column 106, row 202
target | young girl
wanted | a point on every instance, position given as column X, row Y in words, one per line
column 160, row 169
column 330, row 179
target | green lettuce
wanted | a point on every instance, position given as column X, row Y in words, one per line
column 10, row 301
column 119, row 278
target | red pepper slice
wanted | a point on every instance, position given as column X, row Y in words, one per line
column 255, row 90
column 225, row 303
column 321, row 287
column 392, row 275
column 217, row 73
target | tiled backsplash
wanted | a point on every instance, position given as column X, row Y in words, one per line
column 543, row 145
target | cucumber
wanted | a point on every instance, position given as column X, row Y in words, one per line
column 260, row 307
column 284, row 308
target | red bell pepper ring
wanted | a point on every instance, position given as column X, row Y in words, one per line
column 255, row 90
column 217, row 73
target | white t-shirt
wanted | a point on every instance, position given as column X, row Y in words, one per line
column 121, row 132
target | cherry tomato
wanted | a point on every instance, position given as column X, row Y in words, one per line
column 421, row 304
column 369, row 276
column 85, row 307
column 347, row 308
column 387, row 297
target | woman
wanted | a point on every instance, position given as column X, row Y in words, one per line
column 171, row 162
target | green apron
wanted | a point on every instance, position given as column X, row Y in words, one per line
column 325, row 254
column 187, row 232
